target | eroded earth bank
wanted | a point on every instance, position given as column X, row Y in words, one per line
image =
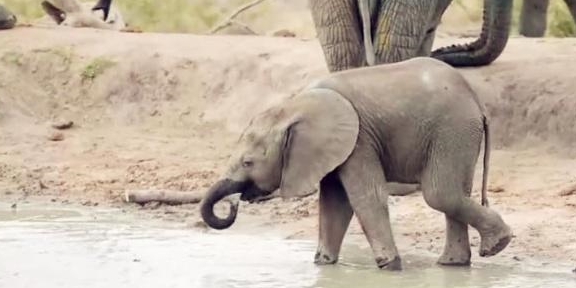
column 164, row 110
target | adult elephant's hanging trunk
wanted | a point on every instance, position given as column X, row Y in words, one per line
column 490, row 44
column 216, row 193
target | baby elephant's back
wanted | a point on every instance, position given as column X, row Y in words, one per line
column 420, row 86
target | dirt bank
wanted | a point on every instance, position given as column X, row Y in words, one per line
column 163, row 110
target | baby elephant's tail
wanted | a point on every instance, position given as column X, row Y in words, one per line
column 486, row 160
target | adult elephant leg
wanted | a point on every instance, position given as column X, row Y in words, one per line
column 338, row 28
column 401, row 30
column 533, row 18
column 444, row 182
column 369, row 200
column 334, row 217
column 427, row 43
column 490, row 44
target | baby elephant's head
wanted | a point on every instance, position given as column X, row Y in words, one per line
column 290, row 147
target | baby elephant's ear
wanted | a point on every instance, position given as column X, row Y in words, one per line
column 318, row 140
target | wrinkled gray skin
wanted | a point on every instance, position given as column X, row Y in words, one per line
column 7, row 19
column 356, row 33
column 533, row 17
column 356, row 133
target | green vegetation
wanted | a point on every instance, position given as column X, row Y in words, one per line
column 198, row 16
column 180, row 16
column 64, row 53
column 560, row 22
column 24, row 9
column 96, row 67
column 13, row 57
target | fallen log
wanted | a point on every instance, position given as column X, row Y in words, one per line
column 172, row 197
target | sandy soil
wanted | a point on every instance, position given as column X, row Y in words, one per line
column 163, row 111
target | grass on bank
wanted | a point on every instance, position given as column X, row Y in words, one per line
column 198, row 16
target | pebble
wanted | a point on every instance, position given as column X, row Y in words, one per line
column 199, row 224
column 62, row 124
column 56, row 136
column 284, row 33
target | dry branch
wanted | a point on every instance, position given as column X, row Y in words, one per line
column 230, row 19
column 164, row 196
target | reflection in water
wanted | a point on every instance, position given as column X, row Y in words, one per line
column 341, row 276
column 38, row 250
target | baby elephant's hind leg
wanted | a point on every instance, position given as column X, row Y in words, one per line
column 457, row 246
column 445, row 180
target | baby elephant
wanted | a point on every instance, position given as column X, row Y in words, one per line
column 354, row 133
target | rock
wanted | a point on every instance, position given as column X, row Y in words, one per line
column 284, row 33
column 56, row 136
column 199, row 224
column 62, row 124
column 568, row 191
column 131, row 30
column 496, row 189
column 574, row 271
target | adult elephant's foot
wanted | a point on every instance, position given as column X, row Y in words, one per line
column 455, row 256
column 492, row 242
column 323, row 258
column 391, row 264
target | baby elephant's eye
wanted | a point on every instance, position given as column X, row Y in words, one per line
column 247, row 163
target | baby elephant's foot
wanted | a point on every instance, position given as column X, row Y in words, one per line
column 453, row 256
column 495, row 241
column 322, row 258
column 394, row 264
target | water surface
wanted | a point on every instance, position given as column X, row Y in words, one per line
column 73, row 248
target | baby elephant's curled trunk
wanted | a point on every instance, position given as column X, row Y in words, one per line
column 216, row 193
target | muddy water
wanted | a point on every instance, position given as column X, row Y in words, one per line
column 73, row 248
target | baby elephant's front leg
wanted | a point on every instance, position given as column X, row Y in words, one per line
column 334, row 215
column 364, row 182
